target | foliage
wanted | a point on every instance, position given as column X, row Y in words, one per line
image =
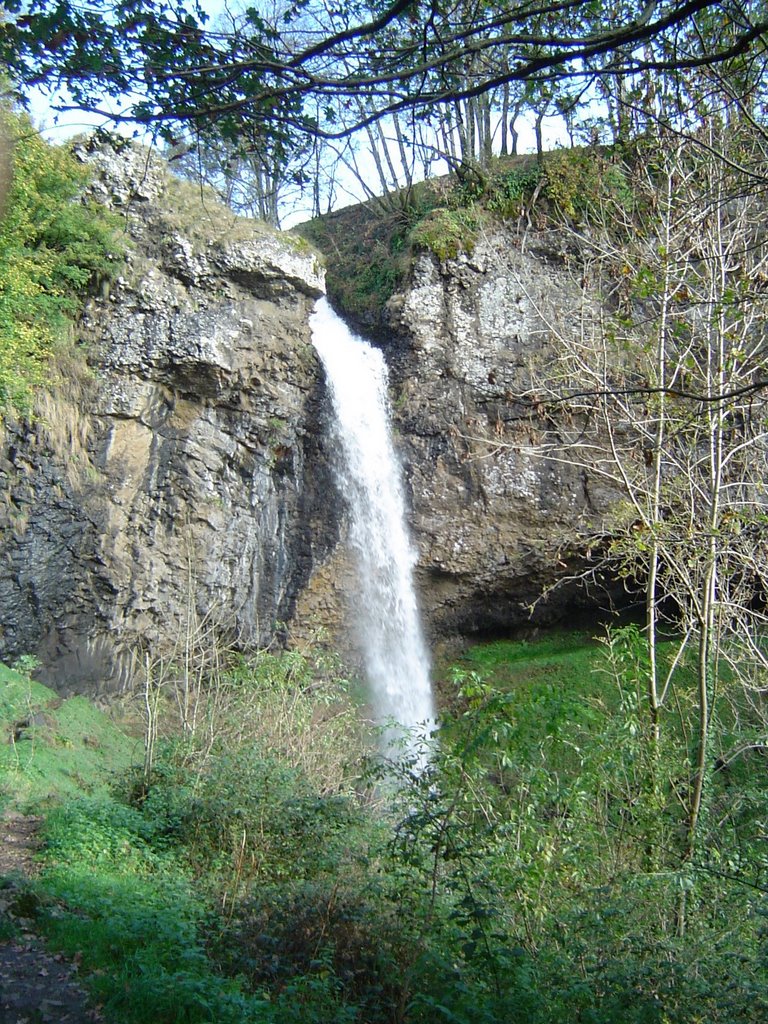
column 222, row 702
column 445, row 233
column 53, row 249
column 364, row 61
column 530, row 873
column 131, row 912
column 366, row 253
column 275, row 99
column 508, row 190
column 135, row 874
column 673, row 387
column 370, row 250
column 581, row 181
column 565, row 826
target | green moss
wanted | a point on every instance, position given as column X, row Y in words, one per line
column 515, row 657
column 446, row 233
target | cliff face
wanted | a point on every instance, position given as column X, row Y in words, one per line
column 180, row 484
column 497, row 520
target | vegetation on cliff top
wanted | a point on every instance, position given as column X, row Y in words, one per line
column 54, row 250
column 370, row 248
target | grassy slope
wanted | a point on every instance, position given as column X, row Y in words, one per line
column 126, row 911
column 235, row 893
column 129, row 887
column 54, row 748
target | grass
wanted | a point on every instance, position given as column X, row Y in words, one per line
column 55, row 748
column 132, row 881
column 366, row 257
column 196, row 212
column 135, row 923
column 111, row 892
column 565, row 658
column 529, row 875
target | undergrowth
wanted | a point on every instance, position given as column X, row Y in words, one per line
column 531, row 873
column 54, row 250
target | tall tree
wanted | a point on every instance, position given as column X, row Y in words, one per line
column 673, row 408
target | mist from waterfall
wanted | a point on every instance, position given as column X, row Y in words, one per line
column 385, row 608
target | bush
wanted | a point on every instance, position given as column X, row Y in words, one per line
column 446, row 233
column 54, row 249
column 246, row 815
column 581, row 181
column 507, row 192
column 529, row 874
column 285, row 707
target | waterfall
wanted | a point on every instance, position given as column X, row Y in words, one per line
column 385, row 607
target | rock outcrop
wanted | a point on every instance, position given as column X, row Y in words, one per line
column 179, row 485
column 497, row 522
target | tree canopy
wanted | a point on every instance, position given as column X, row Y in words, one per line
column 330, row 69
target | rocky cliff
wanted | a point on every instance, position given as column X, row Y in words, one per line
column 500, row 511
column 175, row 484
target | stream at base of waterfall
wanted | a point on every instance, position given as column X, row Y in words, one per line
column 388, row 627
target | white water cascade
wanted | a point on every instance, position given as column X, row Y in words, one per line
column 395, row 655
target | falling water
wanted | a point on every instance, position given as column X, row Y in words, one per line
column 396, row 658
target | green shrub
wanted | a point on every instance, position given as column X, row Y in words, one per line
column 331, row 940
column 446, row 233
column 54, row 249
column 126, row 905
column 98, row 832
column 287, row 707
column 507, row 192
column 581, row 181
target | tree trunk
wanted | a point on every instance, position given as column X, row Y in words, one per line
column 504, row 127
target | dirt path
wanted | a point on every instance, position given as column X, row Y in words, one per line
column 18, row 842
column 36, row 987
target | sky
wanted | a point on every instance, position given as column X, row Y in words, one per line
column 59, row 127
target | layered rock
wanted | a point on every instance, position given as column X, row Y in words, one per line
column 497, row 520
column 178, row 487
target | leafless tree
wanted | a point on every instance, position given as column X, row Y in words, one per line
column 672, row 407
